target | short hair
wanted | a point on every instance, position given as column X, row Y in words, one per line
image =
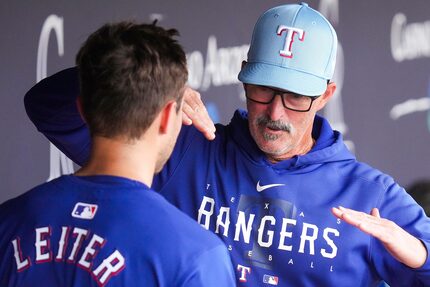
column 127, row 73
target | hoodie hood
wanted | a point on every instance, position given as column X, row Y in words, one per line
column 329, row 145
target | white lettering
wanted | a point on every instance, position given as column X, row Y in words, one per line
column 224, row 212
column 80, row 235
column 90, row 251
column 109, row 267
column 241, row 225
column 266, row 235
column 17, row 252
column 330, row 242
column 207, row 213
column 195, row 65
column 222, row 65
column 284, row 233
column 310, row 238
column 269, row 242
column 289, row 39
column 42, row 244
column 409, row 41
column 410, row 106
column 243, row 272
column 62, row 243
column 59, row 163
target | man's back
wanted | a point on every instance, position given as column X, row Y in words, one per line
column 104, row 231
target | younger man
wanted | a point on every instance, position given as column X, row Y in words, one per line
column 104, row 226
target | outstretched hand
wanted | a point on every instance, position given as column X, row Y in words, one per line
column 398, row 242
column 194, row 113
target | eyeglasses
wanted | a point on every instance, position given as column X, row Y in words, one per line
column 291, row 101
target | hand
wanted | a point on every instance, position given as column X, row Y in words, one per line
column 398, row 242
column 194, row 112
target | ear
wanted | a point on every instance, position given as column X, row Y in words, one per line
column 329, row 92
column 79, row 106
column 243, row 64
column 168, row 116
column 241, row 67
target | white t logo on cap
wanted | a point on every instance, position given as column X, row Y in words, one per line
column 289, row 39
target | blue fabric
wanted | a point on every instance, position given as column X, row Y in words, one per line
column 293, row 47
column 160, row 246
column 284, row 234
column 292, row 233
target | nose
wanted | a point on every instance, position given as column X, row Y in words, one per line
column 276, row 110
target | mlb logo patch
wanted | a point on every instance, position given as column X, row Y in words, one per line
column 84, row 210
column 269, row 279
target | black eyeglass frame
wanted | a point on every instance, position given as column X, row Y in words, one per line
column 277, row 92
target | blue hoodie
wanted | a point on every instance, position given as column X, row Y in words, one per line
column 274, row 218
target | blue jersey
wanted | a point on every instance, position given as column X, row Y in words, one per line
column 105, row 231
column 275, row 219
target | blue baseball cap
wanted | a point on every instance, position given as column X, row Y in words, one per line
column 293, row 48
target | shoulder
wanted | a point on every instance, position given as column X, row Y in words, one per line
column 367, row 174
column 33, row 194
column 164, row 232
column 372, row 185
column 167, row 218
column 44, row 201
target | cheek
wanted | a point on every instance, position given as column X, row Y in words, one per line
column 304, row 123
column 255, row 110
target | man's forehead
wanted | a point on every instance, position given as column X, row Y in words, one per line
column 278, row 89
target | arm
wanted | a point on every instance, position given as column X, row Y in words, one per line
column 401, row 237
column 403, row 246
column 197, row 121
column 51, row 106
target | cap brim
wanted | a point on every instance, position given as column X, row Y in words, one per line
column 282, row 78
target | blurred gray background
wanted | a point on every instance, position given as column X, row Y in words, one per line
column 383, row 72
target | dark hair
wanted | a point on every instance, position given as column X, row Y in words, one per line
column 420, row 191
column 128, row 72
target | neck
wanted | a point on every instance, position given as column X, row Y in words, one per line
column 118, row 157
column 303, row 149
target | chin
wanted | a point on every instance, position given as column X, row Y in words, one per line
column 271, row 149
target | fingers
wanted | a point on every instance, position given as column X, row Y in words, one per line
column 372, row 224
column 185, row 119
column 399, row 243
column 375, row 212
column 369, row 223
column 194, row 112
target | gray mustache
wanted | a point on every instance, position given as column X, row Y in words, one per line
column 276, row 125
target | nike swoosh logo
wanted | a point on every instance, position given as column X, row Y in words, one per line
column 260, row 188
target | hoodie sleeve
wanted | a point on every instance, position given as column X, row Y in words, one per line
column 398, row 206
column 51, row 106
